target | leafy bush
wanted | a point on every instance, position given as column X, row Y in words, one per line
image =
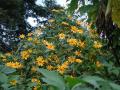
column 65, row 54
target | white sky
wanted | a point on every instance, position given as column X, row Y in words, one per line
column 61, row 2
column 32, row 21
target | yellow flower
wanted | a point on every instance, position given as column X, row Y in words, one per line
column 40, row 61
column 35, row 80
column 29, row 39
column 65, row 23
column 81, row 44
column 65, row 64
column 78, row 61
column 51, row 20
column 74, row 29
column 61, row 36
column 72, row 42
column 71, row 59
column 78, row 53
column 22, row 36
column 50, row 46
column 98, row 64
column 15, row 65
column 97, row 44
column 13, row 82
column 61, row 69
column 49, row 67
column 25, row 54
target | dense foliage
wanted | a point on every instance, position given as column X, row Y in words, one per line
column 65, row 54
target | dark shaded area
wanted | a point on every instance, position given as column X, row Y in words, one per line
column 105, row 24
column 13, row 15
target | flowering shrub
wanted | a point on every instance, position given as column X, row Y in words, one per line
column 63, row 45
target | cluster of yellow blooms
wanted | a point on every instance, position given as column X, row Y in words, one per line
column 75, row 42
column 62, row 68
column 15, row 65
column 72, row 59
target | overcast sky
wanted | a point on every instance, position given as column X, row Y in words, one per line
column 61, row 2
column 40, row 2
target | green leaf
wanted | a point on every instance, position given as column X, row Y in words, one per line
column 92, row 80
column 14, row 77
column 53, row 78
column 3, row 78
column 6, row 86
column 8, row 70
column 115, row 86
column 80, row 87
column 72, row 81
